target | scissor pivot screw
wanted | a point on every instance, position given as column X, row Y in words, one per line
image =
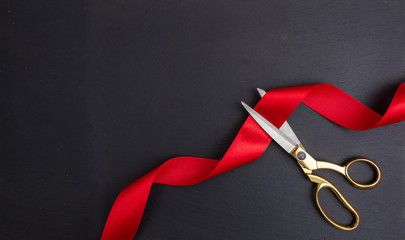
column 301, row 156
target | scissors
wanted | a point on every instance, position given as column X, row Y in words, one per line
column 287, row 139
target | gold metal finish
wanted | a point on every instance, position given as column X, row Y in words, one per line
column 363, row 186
column 322, row 183
column 309, row 164
column 332, row 166
column 287, row 139
column 344, row 170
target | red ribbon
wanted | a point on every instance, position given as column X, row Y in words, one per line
column 249, row 145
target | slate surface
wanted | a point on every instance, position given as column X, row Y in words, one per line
column 94, row 94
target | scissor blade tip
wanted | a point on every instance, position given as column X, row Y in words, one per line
column 261, row 92
column 245, row 105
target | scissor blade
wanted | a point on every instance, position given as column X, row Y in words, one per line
column 283, row 140
column 285, row 128
column 261, row 92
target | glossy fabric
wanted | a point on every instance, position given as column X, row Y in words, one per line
column 248, row 145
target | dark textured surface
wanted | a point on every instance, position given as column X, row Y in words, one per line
column 96, row 94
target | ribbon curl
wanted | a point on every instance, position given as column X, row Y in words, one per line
column 249, row 144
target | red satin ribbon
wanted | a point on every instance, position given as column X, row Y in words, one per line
column 249, row 145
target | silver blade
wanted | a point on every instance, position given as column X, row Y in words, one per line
column 283, row 140
column 261, row 92
column 285, row 128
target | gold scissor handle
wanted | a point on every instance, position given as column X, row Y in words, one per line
column 322, row 183
column 344, row 170
column 359, row 185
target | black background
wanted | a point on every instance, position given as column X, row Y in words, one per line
column 94, row 94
